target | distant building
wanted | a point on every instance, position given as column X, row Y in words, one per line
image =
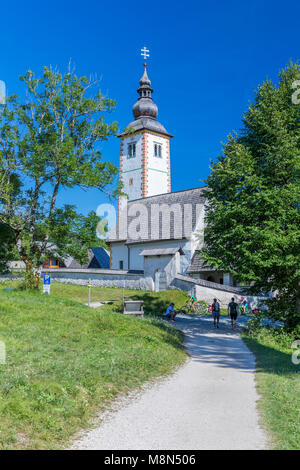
column 98, row 258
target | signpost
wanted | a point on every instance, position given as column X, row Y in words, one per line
column 89, row 286
column 46, row 284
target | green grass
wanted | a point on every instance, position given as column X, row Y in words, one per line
column 65, row 361
column 278, row 383
column 155, row 303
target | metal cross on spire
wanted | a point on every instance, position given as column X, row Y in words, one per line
column 145, row 53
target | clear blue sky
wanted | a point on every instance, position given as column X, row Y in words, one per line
column 206, row 60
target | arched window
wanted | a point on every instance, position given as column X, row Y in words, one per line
column 157, row 150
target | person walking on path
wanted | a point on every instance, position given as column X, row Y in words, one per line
column 216, row 313
column 233, row 312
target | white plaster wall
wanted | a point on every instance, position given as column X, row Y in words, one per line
column 137, row 262
column 185, row 260
column 157, row 162
column 131, row 167
column 133, row 191
column 168, row 263
column 209, row 293
column 227, row 279
column 118, row 253
column 157, row 168
column 157, row 182
column 197, row 237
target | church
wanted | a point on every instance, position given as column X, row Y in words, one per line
column 157, row 230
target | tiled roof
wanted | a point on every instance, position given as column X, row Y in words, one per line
column 147, row 124
column 197, row 264
column 76, row 265
column 193, row 197
column 162, row 251
column 98, row 258
column 102, row 257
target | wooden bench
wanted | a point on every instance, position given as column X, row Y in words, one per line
column 134, row 307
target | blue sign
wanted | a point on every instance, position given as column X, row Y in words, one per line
column 47, row 280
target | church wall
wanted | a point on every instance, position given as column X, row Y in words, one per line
column 132, row 167
column 149, row 174
column 167, row 264
column 157, row 182
column 137, row 261
column 119, row 252
column 197, row 237
column 158, row 174
column 133, row 190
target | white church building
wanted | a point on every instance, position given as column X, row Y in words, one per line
column 158, row 231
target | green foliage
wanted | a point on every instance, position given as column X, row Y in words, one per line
column 73, row 234
column 255, row 322
column 278, row 384
column 253, row 220
column 66, row 362
column 7, row 248
column 49, row 143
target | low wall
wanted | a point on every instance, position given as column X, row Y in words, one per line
column 207, row 291
column 11, row 277
column 100, row 278
column 203, row 290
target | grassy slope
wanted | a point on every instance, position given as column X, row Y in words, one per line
column 65, row 361
column 278, row 383
column 154, row 303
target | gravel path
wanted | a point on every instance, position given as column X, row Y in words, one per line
column 95, row 304
column 209, row 403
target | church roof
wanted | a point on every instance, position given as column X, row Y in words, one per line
column 145, row 111
column 148, row 124
column 198, row 265
column 162, row 251
column 193, row 197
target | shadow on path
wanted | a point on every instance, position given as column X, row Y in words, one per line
column 219, row 346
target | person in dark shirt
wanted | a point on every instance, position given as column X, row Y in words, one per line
column 233, row 312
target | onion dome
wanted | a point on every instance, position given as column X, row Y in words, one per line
column 145, row 110
column 145, row 107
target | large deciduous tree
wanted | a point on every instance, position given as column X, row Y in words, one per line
column 49, row 143
column 253, row 218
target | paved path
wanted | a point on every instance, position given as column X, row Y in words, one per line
column 209, row 403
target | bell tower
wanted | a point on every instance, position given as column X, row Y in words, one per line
column 145, row 148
